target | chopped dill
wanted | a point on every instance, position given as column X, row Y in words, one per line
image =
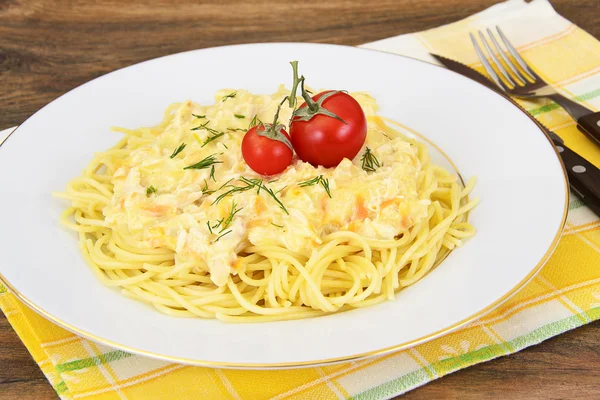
column 213, row 137
column 249, row 184
column 207, row 191
column 274, row 196
column 254, row 122
column 369, row 161
column 229, row 96
column 318, row 180
column 223, row 234
column 205, row 163
column 178, row 150
column 218, row 223
column 203, row 126
column 213, row 131
column 234, row 210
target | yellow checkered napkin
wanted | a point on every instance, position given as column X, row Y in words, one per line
column 565, row 295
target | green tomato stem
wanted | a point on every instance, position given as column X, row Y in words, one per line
column 310, row 103
column 273, row 131
column 296, row 80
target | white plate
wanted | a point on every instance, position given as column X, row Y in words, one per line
column 521, row 184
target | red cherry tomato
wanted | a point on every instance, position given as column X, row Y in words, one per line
column 264, row 155
column 325, row 140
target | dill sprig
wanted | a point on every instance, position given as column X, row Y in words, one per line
column 318, row 180
column 205, row 163
column 279, row 226
column 178, row 150
column 234, row 210
column 239, row 116
column 213, row 131
column 212, row 173
column 223, row 234
column 203, row 126
column 236, row 130
column 224, row 223
column 249, row 184
column 255, row 121
column 218, row 223
column 207, row 191
column 229, row 96
column 274, row 196
column 369, row 161
column 199, row 116
column 151, row 189
column 213, row 137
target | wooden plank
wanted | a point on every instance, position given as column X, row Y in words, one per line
column 20, row 377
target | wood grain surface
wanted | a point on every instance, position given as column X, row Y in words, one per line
column 50, row 47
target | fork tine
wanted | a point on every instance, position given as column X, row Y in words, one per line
column 486, row 64
column 495, row 60
column 516, row 55
column 507, row 61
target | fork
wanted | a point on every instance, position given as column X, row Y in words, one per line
column 523, row 82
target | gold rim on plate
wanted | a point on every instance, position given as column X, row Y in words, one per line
column 354, row 357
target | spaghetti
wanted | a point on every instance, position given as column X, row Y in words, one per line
column 219, row 242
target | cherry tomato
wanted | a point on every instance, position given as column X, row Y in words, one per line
column 263, row 154
column 322, row 139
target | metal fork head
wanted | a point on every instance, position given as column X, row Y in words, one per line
column 521, row 80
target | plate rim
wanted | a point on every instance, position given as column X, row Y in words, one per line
column 312, row 363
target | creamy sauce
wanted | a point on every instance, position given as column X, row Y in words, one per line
column 181, row 216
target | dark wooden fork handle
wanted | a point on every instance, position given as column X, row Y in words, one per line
column 587, row 120
column 590, row 125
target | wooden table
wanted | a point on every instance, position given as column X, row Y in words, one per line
column 49, row 47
